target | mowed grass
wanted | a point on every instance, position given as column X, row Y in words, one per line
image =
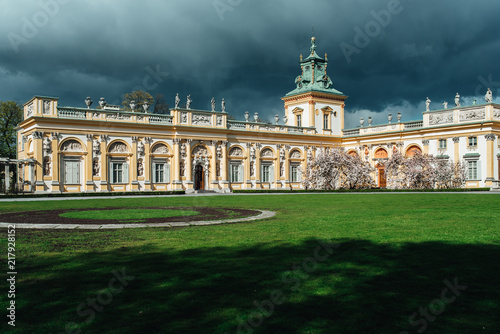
column 391, row 256
column 128, row 214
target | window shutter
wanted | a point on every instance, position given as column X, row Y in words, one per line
column 271, row 173
column 240, row 173
column 125, row 173
column 77, row 172
column 153, row 172
column 110, row 172
column 479, row 170
column 167, row 173
column 261, row 173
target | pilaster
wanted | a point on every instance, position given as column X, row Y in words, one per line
column 312, row 107
column 213, row 165
column 133, row 165
column 177, row 184
column 89, row 183
column 456, row 149
column 425, row 143
column 104, row 163
column 38, row 156
column 189, row 165
column 147, row 163
column 56, row 172
column 490, row 158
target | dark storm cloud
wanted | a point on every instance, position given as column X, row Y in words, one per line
column 247, row 51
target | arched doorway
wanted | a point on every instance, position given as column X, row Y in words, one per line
column 382, row 176
column 199, row 180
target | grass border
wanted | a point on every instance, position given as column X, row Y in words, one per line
column 374, row 190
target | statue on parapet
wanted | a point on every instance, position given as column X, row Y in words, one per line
column 428, row 104
column 189, row 101
column 489, row 96
column 177, row 101
column 457, row 100
column 445, row 104
column 213, row 104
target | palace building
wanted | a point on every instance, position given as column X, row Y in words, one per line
column 107, row 149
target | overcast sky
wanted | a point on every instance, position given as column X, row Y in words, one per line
column 247, row 51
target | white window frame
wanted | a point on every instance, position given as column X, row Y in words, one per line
column 158, row 166
column 474, row 141
column 236, row 172
column 267, row 172
column 295, row 169
column 441, row 142
column 326, row 122
column 472, row 172
column 113, row 167
column 76, row 164
column 299, row 120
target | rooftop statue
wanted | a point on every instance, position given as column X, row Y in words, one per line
column 489, row 96
column 177, row 101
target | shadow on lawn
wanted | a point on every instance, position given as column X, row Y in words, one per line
column 361, row 287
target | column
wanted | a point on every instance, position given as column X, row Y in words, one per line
column 37, row 173
column 425, row 142
column 89, row 184
column 456, row 149
column 258, row 146
column 133, row 165
column 490, row 158
column 277, row 171
column 56, row 166
column 213, row 165
column 104, row 163
column 177, row 184
column 312, row 107
column 189, row 166
column 147, row 163
column 224, row 163
column 247, row 176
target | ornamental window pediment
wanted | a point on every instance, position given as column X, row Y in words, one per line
column 160, row 149
column 236, row 152
column 267, row 153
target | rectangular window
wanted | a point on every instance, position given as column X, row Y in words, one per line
column 326, row 122
column 299, row 120
column 266, row 173
column 295, row 173
column 236, row 173
column 472, row 170
column 117, row 172
column 160, row 173
column 442, row 144
column 72, row 172
column 472, row 141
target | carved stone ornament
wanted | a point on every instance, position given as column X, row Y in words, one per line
column 46, row 107
column 219, row 120
column 118, row 148
column 267, row 153
column 54, row 135
column 71, row 146
column 140, row 168
column 160, row 149
column 148, row 140
column 200, row 151
column 184, row 117
column 425, row 142
column 219, row 151
column 472, row 115
column 496, row 114
column 104, row 138
column 456, row 140
column 96, row 148
column 236, row 152
column 95, row 167
column 295, row 155
column 46, row 166
column 29, row 110
column 140, row 148
column 37, row 135
column 201, row 119
column 47, row 145
column 490, row 137
column 441, row 118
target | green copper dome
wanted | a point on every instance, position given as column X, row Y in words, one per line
column 314, row 77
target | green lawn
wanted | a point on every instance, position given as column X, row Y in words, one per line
column 381, row 259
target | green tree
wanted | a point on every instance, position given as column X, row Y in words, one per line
column 11, row 114
column 139, row 96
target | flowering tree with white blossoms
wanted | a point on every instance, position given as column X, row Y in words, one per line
column 422, row 171
column 333, row 168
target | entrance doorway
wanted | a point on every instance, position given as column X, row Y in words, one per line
column 199, row 181
column 382, row 176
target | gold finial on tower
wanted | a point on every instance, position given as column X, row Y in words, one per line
column 326, row 56
column 301, row 57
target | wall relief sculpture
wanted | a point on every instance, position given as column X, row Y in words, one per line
column 200, row 150
column 118, row 148
column 441, row 118
column 160, row 149
column 295, row 155
column 71, row 146
column 201, row 119
column 267, row 153
column 472, row 115
column 236, row 152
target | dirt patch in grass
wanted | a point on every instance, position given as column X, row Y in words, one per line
column 53, row 216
